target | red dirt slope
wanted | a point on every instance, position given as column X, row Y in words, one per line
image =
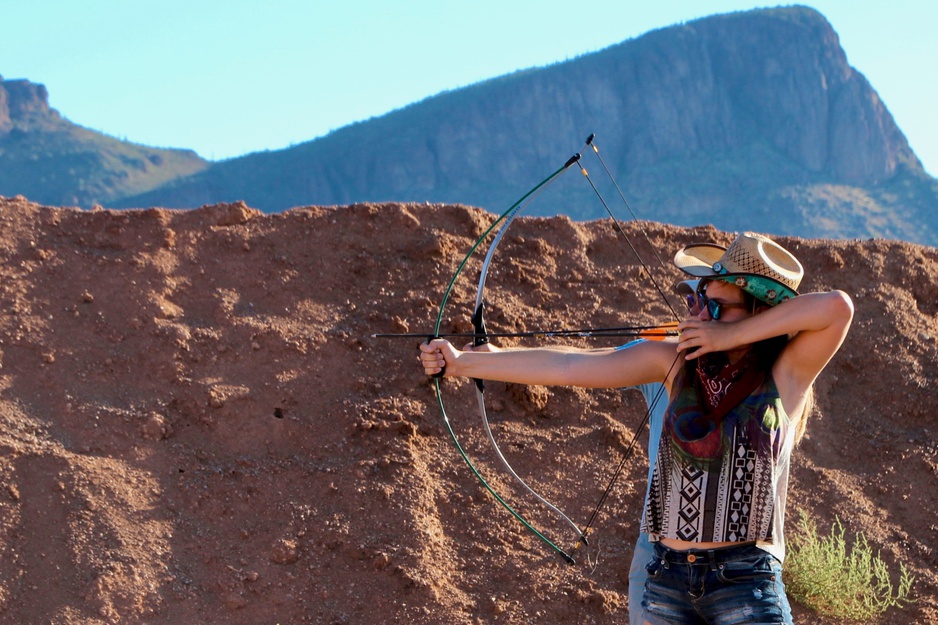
column 197, row 426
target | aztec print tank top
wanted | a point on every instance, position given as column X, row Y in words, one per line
column 737, row 496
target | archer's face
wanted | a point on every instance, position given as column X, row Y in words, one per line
column 722, row 301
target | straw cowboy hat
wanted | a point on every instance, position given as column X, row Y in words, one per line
column 753, row 262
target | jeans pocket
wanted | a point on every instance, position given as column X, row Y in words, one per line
column 655, row 568
column 744, row 571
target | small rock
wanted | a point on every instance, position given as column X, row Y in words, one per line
column 286, row 551
column 156, row 428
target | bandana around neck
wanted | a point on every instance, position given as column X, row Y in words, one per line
column 717, row 376
column 721, row 386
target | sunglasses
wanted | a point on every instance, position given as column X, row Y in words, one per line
column 696, row 302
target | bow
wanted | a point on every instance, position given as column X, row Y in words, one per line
column 478, row 321
column 480, row 336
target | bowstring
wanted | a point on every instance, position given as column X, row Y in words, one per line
column 660, row 393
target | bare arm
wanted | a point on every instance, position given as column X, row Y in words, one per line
column 648, row 361
column 817, row 322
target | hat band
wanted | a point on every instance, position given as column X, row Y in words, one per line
column 766, row 289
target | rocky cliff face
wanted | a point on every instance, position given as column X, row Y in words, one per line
column 775, row 77
column 779, row 76
column 51, row 160
column 6, row 124
column 742, row 120
column 20, row 100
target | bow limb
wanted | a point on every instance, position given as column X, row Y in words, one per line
column 478, row 320
column 506, row 216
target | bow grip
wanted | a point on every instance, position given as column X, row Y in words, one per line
column 478, row 324
column 442, row 371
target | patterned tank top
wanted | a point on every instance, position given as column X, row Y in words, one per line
column 737, row 494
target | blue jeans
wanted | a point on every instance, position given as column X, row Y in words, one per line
column 726, row 586
column 644, row 551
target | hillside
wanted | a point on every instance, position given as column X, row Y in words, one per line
column 745, row 120
column 197, row 426
column 750, row 120
column 48, row 159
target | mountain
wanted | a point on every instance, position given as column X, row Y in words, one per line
column 53, row 161
column 751, row 120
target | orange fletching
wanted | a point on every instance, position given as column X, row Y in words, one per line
column 660, row 332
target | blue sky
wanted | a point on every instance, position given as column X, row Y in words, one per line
column 229, row 77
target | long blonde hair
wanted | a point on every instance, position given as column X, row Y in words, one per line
column 767, row 352
column 810, row 406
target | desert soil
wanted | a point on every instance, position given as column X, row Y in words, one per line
column 198, row 426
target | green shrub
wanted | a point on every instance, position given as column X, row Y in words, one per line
column 827, row 576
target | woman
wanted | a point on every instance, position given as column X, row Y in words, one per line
column 739, row 380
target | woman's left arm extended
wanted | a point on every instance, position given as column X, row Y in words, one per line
column 647, row 361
